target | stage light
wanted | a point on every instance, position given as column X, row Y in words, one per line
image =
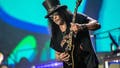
column 50, row 65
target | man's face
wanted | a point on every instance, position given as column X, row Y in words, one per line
column 57, row 18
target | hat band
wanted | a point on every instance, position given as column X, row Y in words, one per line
column 53, row 8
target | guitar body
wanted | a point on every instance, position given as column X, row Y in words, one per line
column 70, row 63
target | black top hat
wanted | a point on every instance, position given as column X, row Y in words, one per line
column 52, row 6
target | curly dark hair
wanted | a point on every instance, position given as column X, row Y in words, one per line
column 66, row 16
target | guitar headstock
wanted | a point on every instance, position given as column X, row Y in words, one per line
column 78, row 2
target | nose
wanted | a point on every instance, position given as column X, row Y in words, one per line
column 54, row 17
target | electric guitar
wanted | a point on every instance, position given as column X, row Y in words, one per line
column 70, row 46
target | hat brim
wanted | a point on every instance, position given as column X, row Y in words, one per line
column 60, row 7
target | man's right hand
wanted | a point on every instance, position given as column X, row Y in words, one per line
column 62, row 56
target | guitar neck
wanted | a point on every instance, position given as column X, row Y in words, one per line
column 75, row 11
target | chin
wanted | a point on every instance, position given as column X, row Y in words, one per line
column 58, row 23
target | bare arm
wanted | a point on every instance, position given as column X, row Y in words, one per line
column 91, row 25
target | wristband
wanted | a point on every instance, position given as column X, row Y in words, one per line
column 83, row 27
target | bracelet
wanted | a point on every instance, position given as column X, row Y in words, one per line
column 83, row 27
